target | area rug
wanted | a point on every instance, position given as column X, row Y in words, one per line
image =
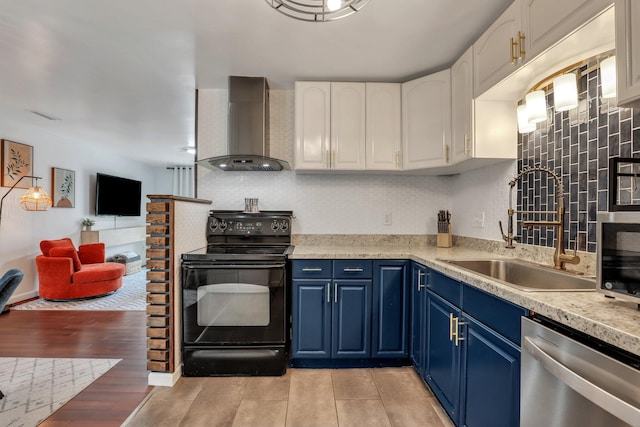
column 35, row 388
column 131, row 296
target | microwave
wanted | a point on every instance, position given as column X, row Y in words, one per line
column 618, row 255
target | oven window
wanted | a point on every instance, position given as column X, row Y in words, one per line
column 233, row 304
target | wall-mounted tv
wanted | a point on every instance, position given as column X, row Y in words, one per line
column 117, row 196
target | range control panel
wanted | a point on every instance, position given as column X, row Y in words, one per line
column 241, row 224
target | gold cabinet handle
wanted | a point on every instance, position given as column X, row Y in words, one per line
column 521, row 38
column 467, row 148
column 335, row 157
column 451, row 327
column 458, row 333
column 328, row 159
column 397, row 159
column 446, row 154
column 512, row 50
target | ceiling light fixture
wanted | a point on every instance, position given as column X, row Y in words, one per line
column 565, row 92
column 317, row 10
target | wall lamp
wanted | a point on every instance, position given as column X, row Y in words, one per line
column 565, row 92
column 35, row 199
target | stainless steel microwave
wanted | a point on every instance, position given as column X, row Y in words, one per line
column 618, row 255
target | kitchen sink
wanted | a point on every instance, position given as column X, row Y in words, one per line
column 527, row 276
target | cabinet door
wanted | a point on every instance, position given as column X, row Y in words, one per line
column 418, row 316
column 546, row 22
column 443, row 356
column 462, row 108
column 628, row 52
column 348, row 126
column 493, row 54
column 351, row 331
column 491, row 379
column 311, row 319
column 312, row 121
column 384, row 126
column 426, row 121
column 390, row 309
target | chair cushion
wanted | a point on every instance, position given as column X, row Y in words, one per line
column 47, row 245
column 98, row 272
column 64, row 252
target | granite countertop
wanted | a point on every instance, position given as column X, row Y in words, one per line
column 611, row 320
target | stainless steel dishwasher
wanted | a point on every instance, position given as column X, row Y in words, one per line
column 567, row 382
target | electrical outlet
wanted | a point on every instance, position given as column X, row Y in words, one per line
column 387, row 218
column 478, row 220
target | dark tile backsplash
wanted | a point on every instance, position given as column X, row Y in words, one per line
column 577, row 146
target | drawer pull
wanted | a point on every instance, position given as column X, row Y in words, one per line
column 311, row 269
column 353, row 270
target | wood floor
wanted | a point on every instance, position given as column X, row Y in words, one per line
column 109, row 400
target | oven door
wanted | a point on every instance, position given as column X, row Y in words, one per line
column 233, row 304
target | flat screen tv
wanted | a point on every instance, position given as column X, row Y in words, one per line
column 117, row 196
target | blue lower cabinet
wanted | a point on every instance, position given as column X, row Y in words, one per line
column 490, row 379
column 442, row 368
column 390, row 309
column 331, row 319
column 418, row 323
column 311, row 318
column 351, row 314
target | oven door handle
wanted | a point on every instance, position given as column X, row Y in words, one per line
column 233, row 266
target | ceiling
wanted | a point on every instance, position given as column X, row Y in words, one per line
column 122, row 74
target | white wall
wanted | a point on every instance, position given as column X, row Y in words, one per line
column 22, row 231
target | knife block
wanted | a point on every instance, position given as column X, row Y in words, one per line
column 444, row 239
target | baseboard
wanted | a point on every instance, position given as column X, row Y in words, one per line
column 165, row 379
column 21, row 298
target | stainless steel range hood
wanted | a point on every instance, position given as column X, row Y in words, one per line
column 248, row 129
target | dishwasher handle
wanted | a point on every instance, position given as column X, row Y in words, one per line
column 607, row 401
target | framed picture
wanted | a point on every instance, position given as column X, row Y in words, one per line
column 63, row 188
column 17, row 161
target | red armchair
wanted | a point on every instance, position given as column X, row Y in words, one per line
column 66, row 274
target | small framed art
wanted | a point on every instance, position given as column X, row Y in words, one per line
column 63, row 188
column 17, row 161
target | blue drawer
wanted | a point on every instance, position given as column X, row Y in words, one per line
column 445, row 286
column 500, row 315
column 352, row 269
column 311, row 269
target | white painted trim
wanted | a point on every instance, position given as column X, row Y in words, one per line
column 22, row 297
column 165, row 379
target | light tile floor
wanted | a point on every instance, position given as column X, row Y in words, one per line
column 381, row 397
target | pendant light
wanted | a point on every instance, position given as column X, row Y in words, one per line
column 317, row 10
column 608, row 77
column 536, row 106
column 565, row 92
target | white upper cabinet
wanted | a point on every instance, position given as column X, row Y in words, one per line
column 426, row 121
column 628, row 52
column 545, row 22
column 498, row 51
column 384, row 126
column 462, row 108
column 347, row 151
column 313, row 125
